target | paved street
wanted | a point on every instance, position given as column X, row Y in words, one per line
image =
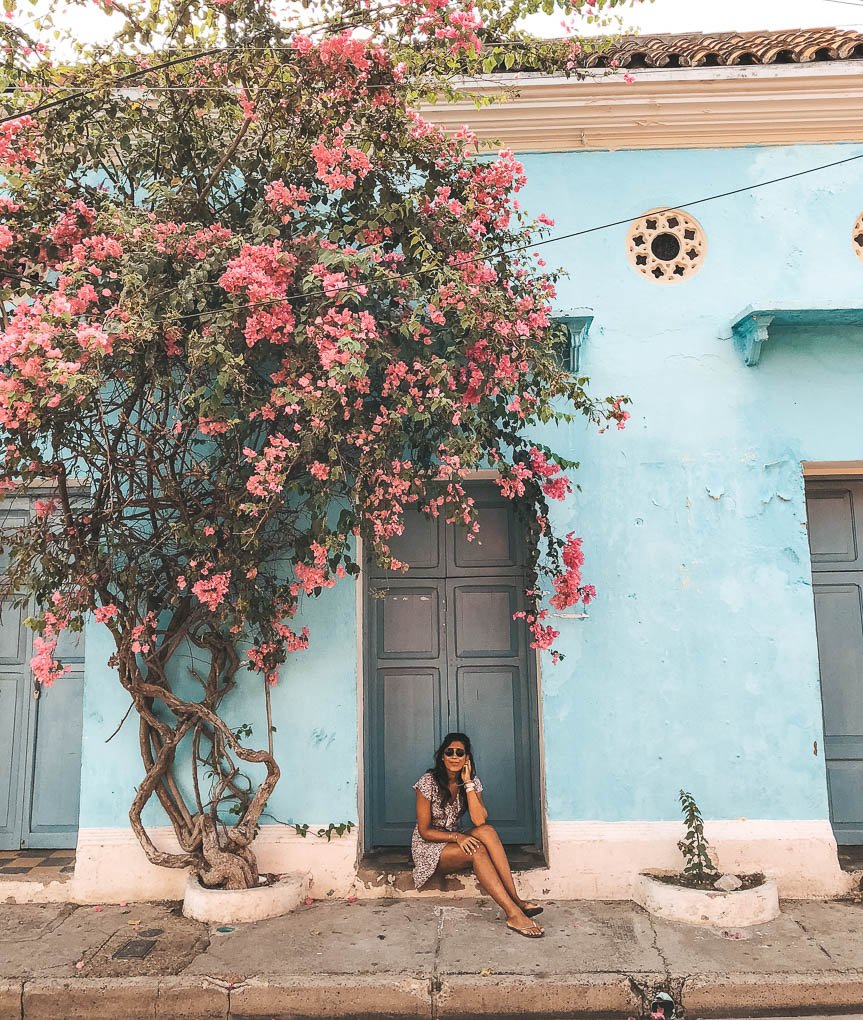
column 421, row 957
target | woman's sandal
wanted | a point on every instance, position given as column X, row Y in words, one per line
column 533, row 932
column 531, row 911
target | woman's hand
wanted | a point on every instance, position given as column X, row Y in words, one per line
column 467, row 770
column 469, row 844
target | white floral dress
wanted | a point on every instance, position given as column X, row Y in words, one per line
column 426, row 855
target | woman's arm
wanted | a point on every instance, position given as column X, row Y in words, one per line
column 476, row 808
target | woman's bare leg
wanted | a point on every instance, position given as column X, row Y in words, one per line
column 489, row 838
column 453, row 858
column 487, row 835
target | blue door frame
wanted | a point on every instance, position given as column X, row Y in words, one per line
column 443, row 652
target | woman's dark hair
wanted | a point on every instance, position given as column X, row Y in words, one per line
column 439, row 773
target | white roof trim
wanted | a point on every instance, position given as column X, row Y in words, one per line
column 703, row 107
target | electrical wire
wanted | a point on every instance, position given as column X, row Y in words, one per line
column 140, row 72
column 533, row 244
column 131, row 76
column 116, row 84
column 323, row 292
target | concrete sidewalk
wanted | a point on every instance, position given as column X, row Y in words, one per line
column 421, row 957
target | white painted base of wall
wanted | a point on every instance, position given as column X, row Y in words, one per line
column 601, row 860
column 587, row 860
column 111, row 866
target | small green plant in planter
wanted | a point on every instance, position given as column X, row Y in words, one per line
column 700, row 869
column 699, row 894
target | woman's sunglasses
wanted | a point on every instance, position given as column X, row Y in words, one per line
column 455, row 752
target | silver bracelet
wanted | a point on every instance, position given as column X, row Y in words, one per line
column 470, row 786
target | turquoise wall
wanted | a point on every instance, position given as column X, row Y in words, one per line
column 314, row 711
column 698, row 665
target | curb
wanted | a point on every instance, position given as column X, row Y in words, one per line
column 773, row 993
column 455, row 995
column 561, row 996
column 10, row 999
column 333, row 996
column 166, row 998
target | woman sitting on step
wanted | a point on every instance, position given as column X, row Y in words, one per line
column 443, row 794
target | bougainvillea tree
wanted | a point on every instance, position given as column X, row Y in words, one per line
column 256, row 309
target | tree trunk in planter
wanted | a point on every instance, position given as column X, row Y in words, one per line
column 219, row 853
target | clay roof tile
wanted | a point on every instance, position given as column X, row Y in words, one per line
column 726, row 49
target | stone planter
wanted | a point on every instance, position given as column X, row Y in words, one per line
column 237, row 906
column 737, row 909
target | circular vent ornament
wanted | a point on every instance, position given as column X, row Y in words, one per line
column 668, row 245
column 857, row 236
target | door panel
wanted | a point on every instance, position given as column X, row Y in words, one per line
column 444, row 653
column 10, row 760
column 493, row 707
column 54, row 769
column 13, row 636
column 488, row 656
column 420, row 546
column 496, row 548
column 407, row 697
column 839, row 617
column 846, row 800
column 484, row 627
column 12, row 517
column 832, row 531
column 408, row 621
column 404, row 725
column 835, row 517
column 40, row 737
column 14, row 716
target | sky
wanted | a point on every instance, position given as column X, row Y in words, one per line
column 645, row 17
column 743, row 15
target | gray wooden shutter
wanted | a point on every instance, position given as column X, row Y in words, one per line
column 835, row 512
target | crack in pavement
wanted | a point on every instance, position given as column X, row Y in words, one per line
column 68, row 910
column 811, row 938
column 202, row 944
column 672, row 985
column 435, row 981
column 659, row 952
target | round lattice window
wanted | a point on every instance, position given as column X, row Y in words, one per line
column 667, row 246
column 857, row 236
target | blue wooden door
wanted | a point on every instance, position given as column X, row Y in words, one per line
column 40, row 734
column 443, row 652
column 835, row 513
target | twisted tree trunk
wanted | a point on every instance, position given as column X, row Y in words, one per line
column 218, row 852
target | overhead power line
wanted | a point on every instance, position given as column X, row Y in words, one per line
column 480, row 258
column 131, row 76
column 515, row 249
column 544, row 241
